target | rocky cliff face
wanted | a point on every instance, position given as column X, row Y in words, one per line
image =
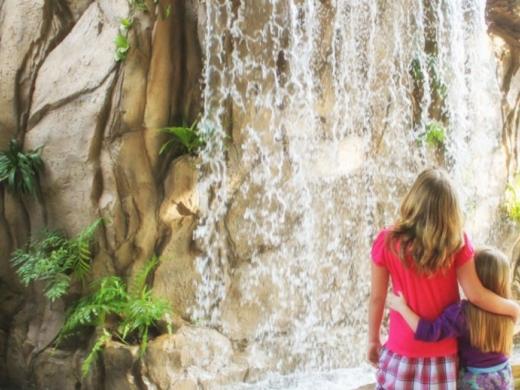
column 97, row 121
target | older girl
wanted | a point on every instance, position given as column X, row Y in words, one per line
column 425, row 253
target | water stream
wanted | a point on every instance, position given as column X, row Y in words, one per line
column 315, row 115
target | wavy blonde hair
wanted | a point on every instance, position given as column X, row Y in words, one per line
column 491, row 332
column 430, row 226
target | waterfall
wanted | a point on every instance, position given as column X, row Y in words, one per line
column 315, row 115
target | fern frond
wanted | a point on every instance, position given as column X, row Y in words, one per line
column 100, row 343
column 138, row 284
column 57, row 287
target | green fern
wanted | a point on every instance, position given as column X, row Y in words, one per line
column 100, row 343
column 138, row 284
column 54, row 259
column 189, row 137
column 19, row 170
column 109, row 297
column 140, row 314
column 134, row 309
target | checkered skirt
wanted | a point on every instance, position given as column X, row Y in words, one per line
column 404, row 373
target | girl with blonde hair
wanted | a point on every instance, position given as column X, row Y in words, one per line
column 485, row 339
column 425, row 254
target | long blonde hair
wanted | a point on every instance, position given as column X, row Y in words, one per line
column 429, row 229
column 491, row 332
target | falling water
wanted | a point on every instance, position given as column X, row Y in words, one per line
column 315, row 112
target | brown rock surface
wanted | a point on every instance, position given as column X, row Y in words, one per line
column 97, row 122
column 190, row 358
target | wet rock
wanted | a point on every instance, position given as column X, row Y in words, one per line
column 189, row 358
column 176, row 276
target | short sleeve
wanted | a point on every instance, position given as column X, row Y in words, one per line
column 378, row 248
column 465, row 253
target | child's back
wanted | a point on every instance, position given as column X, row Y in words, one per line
column 425, row 253
column 427, row 295
column 484, row 339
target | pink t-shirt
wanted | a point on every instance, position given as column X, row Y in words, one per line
column 428, row 296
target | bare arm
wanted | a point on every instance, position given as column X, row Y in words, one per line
column 448, row 324
column 398, row 303
column 482, row 297
column 379, row 287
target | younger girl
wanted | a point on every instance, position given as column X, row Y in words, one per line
column 425, row 253
column 485, row 339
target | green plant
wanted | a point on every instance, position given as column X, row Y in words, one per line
column 55, row 260
column 435, row 134
column 126, row 24
column 141, row 313
column 167, row 11
column 139, row 5
column 122, row 46
column 109, row 297
column 134, row 311
column 98, row 346
column 512, row 199
column 416, row 70
column 19, row 170
column 438, row 87
column 188, row 137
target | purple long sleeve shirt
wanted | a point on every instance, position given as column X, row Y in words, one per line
column 452, row 323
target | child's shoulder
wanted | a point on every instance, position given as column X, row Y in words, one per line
column 379, row 246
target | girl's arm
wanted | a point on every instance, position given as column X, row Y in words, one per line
column 481, row 296
column 398, row 303
column 449, row 324
column 376, row 307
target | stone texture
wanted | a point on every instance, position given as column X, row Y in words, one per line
column 120, row 364
column 191, row 358
column 73, row 69
column 33, row 28
column 175, row 278
column 97, row 122
column 55, row 369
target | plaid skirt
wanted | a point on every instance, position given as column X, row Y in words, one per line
column 404, row 373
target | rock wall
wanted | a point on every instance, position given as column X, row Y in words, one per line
column 97, row 120
column 503, row 19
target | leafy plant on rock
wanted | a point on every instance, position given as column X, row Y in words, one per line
column 122, row 46
column 19, row 170
column 128, row 313
column 56, row 260
column 512, row 199
column 435, row 135
column 189, row 137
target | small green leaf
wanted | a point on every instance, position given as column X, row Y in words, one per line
column 435, row 134
column 167, row 12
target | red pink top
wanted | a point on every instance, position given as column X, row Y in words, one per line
column 428, row 296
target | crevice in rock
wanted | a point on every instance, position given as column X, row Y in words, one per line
column 94, row 154
column 57, row 24
column 38, row 115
